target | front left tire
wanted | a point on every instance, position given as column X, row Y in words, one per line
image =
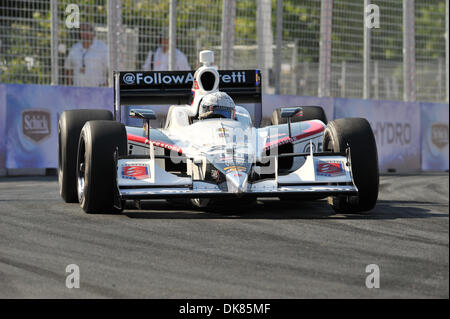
column 100, row 142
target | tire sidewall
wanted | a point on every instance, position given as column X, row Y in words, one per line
column 364, row 158
column 70, row 124
column 100, row 182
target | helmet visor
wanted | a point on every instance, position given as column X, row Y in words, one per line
column 221, row 111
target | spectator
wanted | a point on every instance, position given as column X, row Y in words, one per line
column 87, row 62
column 159, row 60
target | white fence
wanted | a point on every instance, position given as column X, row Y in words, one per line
column 299, row 45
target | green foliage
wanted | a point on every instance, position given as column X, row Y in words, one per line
column 430, row 20
column 28, row 38
column 28, row 51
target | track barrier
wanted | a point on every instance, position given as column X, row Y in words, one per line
column 411, row 136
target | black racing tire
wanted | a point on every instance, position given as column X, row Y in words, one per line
column 358, row 135
column 309, row 113
column 96, row 168
column 69, row 127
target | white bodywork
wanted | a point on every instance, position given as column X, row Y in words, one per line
column 235, row 149
column 215, row 138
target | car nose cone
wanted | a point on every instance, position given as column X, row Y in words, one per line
column 237, row 182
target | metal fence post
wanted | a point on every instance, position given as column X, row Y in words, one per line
column 376, row 81
column 294, row 67
column 227, row 36
column 54, row 42
column 326, row 12
column 114, row 26
column 279, row 40
column 343, row 77
column 446, row 50
column 172, row 34
column 409, row 52
column 265, row 40
column 366, row 63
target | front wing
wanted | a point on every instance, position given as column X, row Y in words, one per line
column 320, row 176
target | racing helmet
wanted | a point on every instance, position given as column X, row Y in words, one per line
column 216, row 105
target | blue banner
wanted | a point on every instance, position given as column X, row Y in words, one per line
column 396, row 126
column 434, row 136
column 410, row 136
column 2, row 130
column 32, row 113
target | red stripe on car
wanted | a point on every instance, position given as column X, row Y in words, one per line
column 313, row 129
column 143, row 140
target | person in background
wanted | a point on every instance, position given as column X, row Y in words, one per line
column 87, row 62
column 159, row 60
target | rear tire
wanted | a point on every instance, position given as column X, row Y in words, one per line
column 309, row 113
column 69, row 127
column 96, row 168
column 356, row 133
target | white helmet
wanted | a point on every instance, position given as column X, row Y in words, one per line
column 216, row 105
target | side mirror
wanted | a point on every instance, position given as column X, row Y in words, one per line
column 289, row 112
column 146, row 115
column 143, row 114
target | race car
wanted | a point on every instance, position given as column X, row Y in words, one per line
column 211, row 151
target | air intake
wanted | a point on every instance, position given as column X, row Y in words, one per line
column 208, row 80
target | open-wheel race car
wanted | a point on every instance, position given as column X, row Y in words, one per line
column 209, row 152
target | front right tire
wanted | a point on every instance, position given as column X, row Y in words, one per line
column 69, row 127
column 356, row 134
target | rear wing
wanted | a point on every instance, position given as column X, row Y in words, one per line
column 174, row 87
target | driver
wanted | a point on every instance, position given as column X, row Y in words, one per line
column 217, row 105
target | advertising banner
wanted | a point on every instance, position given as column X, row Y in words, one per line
column 434, row 136
column 271, row 102
column 32, row 113
column 396, row 126
column 2, row 130
column 410, row 136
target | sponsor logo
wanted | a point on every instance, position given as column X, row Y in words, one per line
column 223, row 132
column 167, row 146
column 162, row 78
column 392, row 133
column 234, row 77
column 230, row 169
column 276, row 143
column 36, row 124
column 135, row 171
column 129, row 78
column 439, row 134
column 157, row 78
column 330, row 169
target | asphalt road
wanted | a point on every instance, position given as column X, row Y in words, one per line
column 274, row 250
